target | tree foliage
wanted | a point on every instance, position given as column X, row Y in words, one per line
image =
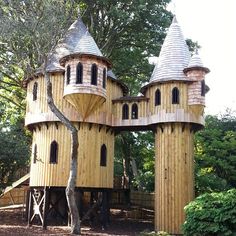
column 215, row 154
column 135, row 158
column 15, row 143
column 30, row 29
column 211, row 214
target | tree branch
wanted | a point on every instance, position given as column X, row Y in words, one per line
column 11, row 101
column 70, row 189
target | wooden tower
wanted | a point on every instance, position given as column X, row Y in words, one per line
column 83, row 90
column 87, row 92
column 177, row 89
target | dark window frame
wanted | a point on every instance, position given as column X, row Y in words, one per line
column 104, row 78
column 79, row 73
column 157, row 97
column 175, row 95
column 94, row 74
column 35, row 153
column 68, row 74
column 103, row 156
column 53, row 152
column 125, row 112
column 134, row 111
column 35, row 91
column 203, row 88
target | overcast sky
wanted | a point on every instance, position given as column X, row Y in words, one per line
column 212, row 23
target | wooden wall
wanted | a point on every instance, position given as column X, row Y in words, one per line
column 14, row 197
column 166, row 97
column 38, row 111
column 174, row 180
column 142, row 113
column 110, row 113
column 90, row 173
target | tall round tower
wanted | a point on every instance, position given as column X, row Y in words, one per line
column 176, row 111
column 83, row 90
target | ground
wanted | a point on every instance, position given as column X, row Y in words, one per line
column 12, row 223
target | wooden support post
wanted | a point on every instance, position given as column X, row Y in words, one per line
column 80, row 203
column 105, row 210
column 30, row 207
column 27, row 204
column 45, row 207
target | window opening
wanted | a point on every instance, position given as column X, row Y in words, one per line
column 203, row 88
column 53, row 152
column 79, row 73
column 104, row 78
column 175, row 96
column 94, row 74
column 35, row 91
column 68, row 74
column 125, row 112
column 157, row 97
column 103, row 155
column 35, row 153
column 134, row 111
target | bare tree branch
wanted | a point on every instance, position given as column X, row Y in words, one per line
column 70, row 189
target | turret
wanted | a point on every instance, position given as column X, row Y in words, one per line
column 196, row 92
column 85, row 70
column 176, row 91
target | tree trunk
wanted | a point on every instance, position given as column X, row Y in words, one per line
column 70, row 189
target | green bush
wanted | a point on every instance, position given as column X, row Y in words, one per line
column 211, row 214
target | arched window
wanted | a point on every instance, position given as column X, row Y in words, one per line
column 134, row 111
column 157, row 97
column 175, row 96
column 94, row 74
column 125, row 112
column 203, row 88
column 103, row 155
column 35, row 91
column 53, row 152
column 68, row 74
column 79, row 73
column 104, row 78
column 35, row 153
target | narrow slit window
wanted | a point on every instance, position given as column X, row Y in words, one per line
column 35, row 153
column 35, row 91
column 203, row 88
column 104, row 78
column 68, row 74
column 157, row 97
column 125, row 112
column 103, row 155
column 79, row 73
column 94, row 74
column 175, row 96
column 134, row 111
column 54, row 152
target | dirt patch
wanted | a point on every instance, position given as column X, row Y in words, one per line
column 13, row 223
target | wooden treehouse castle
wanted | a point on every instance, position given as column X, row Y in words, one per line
column 87, row 92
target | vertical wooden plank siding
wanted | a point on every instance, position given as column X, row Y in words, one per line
column 166, row 97
column 90, row 173
column 174, row 175
column 40, row 108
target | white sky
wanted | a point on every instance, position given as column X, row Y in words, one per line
column 212, row 23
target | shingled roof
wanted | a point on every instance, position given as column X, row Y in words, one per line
column 77, row 40
column 196, row 63
column 174, row 56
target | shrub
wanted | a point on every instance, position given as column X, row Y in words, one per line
column 211, row 214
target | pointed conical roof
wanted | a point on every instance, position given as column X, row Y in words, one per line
column 76, row 41
column 174, row 56
column 195, row 62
